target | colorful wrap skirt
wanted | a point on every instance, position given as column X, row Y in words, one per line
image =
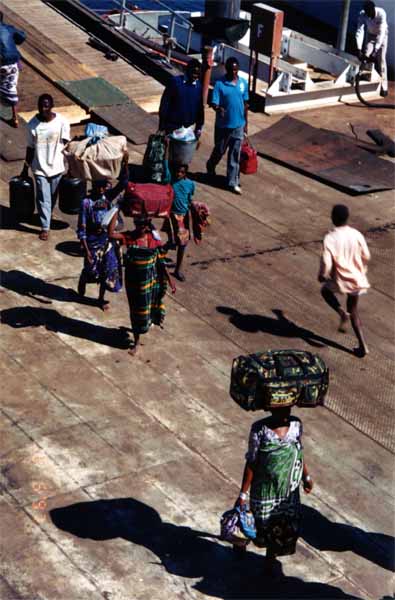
column 146, row 285
column 106, row 266
column 275, row 498
column 9, row 75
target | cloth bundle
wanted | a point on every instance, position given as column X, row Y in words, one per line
column 200, row 214
column 101, row 160
column 238, row 526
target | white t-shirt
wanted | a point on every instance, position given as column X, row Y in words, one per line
column 344, row 260
column 46, row 139
column 376, row 27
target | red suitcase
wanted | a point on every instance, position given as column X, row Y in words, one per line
column 151, row 199
column 248, row 159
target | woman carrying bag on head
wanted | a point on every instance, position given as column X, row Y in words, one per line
column 146, row 276
column 273, row 472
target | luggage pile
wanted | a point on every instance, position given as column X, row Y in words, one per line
column 279, row 378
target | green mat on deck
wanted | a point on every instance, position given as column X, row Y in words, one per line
column 94, row 91
column 5, row 112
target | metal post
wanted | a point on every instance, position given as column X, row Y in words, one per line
column 342, row 35
column 189, row 38
column 170, row 39
column 122, row 13
column 172, row 24
column 208, row 59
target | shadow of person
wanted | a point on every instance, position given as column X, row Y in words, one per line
column 216, row 181
column 323, row 534
column 29, row 316
column 185, row 552
column 70, row 248
column 33, row 287
column 8, row 221
column 280, row 327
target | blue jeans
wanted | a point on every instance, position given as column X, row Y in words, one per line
column 47, row 189
column 227, row 139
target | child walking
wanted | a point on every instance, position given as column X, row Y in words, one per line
column 177, row 226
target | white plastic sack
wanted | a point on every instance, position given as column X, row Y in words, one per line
column 101, row 160
column 183, row 134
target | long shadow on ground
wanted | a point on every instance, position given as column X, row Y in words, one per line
column 186, row 553
column 33, row 287
column 323, row 534
column 280, row 327
column 29, row 316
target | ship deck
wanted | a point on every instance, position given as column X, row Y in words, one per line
column 138, row 457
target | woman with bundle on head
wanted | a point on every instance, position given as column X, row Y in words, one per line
column 146, row 276
column 102, row 262
column 273, row 472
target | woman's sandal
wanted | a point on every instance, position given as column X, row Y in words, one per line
column 43, row 235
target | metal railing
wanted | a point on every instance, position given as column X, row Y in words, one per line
column 174, row 17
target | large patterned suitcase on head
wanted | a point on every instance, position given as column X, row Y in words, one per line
column 279, row 378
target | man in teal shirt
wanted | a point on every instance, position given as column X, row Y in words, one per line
column 230, row 102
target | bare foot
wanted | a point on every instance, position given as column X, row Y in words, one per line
column 344, row 322
column 361, row 352
column 180, row 276
column 132, row 349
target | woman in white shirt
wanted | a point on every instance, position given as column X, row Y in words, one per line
column 48, row 133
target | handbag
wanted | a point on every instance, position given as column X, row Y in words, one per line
column 238, row 526
column 248, row 158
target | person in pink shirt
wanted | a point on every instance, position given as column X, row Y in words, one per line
column 343, row 270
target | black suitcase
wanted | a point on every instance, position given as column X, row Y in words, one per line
column 279, row 378
column 22, row 198
column 71, row 193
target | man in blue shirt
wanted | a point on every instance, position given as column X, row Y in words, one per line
column 230, row 102
column 182, row 101
column 10, row 37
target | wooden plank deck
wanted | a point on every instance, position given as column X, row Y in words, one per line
column 156, row 437
column 56, row 30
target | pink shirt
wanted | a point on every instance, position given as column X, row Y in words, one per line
column 344, row 260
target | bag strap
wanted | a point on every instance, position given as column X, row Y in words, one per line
column 280, row 368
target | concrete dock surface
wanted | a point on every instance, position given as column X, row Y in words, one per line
column 115, row 470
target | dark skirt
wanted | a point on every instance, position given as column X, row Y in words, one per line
column 145, row 287
column 106, row 266
column 279, row 533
